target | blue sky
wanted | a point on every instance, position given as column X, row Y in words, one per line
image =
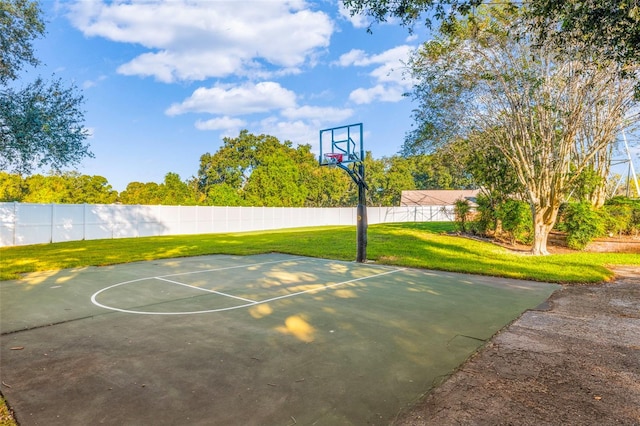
column 165, row 81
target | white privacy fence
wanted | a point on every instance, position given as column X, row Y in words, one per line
column 23, row 223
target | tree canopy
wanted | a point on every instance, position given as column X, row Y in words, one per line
column 604, row 29
column 411, row 11
column 41, row 124
column 20, row 24
column 64, row 188
column 259, row 170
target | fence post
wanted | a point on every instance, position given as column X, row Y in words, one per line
column 84, row 221
column 51, row 228
column 15, row 220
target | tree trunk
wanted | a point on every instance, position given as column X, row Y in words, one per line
column 602, row 166
column 540, row 236
column 543, row 220
column 598, row 196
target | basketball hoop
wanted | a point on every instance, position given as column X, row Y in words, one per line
column 333, row 158
column 339, row 147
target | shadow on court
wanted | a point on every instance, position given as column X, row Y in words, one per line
column 260, row 340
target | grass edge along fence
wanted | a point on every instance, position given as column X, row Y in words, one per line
column 419, row 245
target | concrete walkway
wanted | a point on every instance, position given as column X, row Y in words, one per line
column 577, row 363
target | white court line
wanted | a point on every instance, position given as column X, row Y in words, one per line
column 231, row 267
column 332, row 285
column 252, row 303
column 95, row 302
column 205, row 289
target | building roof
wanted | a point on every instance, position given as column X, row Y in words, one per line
column 437, row 197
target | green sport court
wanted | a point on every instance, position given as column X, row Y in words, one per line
column 269, row 339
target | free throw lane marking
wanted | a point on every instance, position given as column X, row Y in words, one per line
column 245, row 305
column 205, row 289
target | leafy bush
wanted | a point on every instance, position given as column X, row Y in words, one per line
column 634, row 229
column 462, row 209
column 623, row 216
column 485, row 219
column 582, row 224
column 516, row 220
column 617, row 219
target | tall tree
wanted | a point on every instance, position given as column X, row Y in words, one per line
column 252, row 170
column 66, row 188
column 231, row 165
column 46, row 189
column 444, row 168
column 328, row 187
column 605, row 29
column 411, row 11
column 12, row 187
column 174, row 192
column 20, row 24
column 323, row 186
column 85, row 189
column 549, row 117
column 141, row 193
column 387, row 178
column 42, row 123
column 275, row 183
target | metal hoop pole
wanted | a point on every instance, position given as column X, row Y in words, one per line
column 361, row 228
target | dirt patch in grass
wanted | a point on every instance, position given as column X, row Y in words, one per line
column 575, row 363
column 557, row 244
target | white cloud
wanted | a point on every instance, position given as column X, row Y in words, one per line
column 357, row 20
column 354, row 57
column 197, row 39
column 192, row 65
column 220, row 123
column 299, row 124
column 325, row 114
column 298, row 132
column 236, row 100
column 387, row 61
column 87, row 84
column 392, row 93
column 388, row 75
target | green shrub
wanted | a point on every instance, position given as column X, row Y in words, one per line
column 634, row 228
column 623, row 216
column 462, row 209
column 582, row 224
column 516, row 220
column 485, row 218
column 618, row 218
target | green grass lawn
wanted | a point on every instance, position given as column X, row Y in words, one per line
column 418, row 245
